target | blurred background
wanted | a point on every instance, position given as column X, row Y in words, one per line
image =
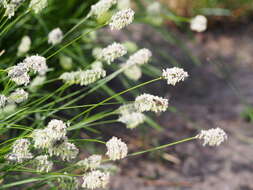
column 218, row 92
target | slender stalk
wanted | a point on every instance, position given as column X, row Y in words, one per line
column 115, row 95
column 162, row 146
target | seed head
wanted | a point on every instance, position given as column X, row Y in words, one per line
column 24, row 45
column 37, row 5
column 37, row 64
column 95, row 179
column 112, row 52
column 212, row 137
column 55, row 36
column 116, row 149
column 198, row 23
column 148, row 102
column 101, row 7
column 18, row 96
column 121, row 19
column 42, row 164
column 140, row 57
column 174, row 75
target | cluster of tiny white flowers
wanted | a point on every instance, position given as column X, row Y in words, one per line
column 121, row 19
column 18, row 96
column 3, row 100
column 198, row 23
column 132, row 120
column 54, row 139
column 37, row 64
column 83, row 77
column 38, row 5
column 42, row 164
column 102, row 7
column 20, row 151
column 212, row 137
column 112, row 52
column 174, row 75
column 140, row 57
column 19, row 72
column 116, row 149
column 24, row 45
column 95, row 179
column 42, row 139
column 66, row 151
column 45, row 138
column 57, row 129
column 148, row 102
column 91, row 162
column 55, row 36
column 11, row 7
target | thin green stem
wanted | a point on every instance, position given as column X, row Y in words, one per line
column 115, row 95
column 162, row 146
column 76, row 39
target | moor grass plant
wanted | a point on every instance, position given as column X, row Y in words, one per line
column 55, row 90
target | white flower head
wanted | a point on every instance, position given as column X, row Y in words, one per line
column 121, row 19
column 42, row 164
column 132, row 120
column 112, row 52
column 3, row 100
column 18, row 96
column 199, row 23
column 102, row 7
column 148, row 102
column 22, row 79
column 19, row 74
column 95, row 179
column 24, row 45
column 174, row 75
column 133, row 72
column 20, row 151
column 55, row 36
column 42, row 139
column 83, row 77
column 116, row 149
column 38, row 5
column 140, row 57
column 66, row 151
column 37, row 64
column 10, row 10
column 212, row 137
column 56, row 129
column 91, row 162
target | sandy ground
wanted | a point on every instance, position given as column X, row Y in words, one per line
column 215, row 95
